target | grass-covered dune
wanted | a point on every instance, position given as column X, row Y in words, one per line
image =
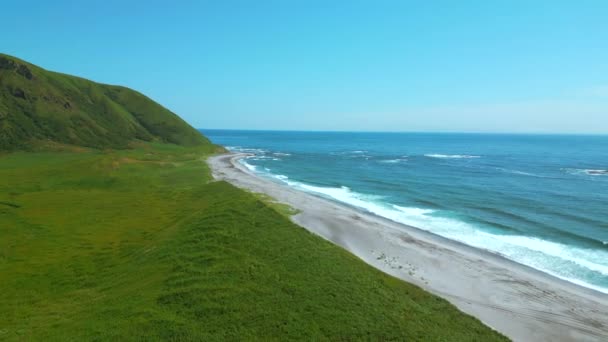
column 37, row 105
column 139, row 244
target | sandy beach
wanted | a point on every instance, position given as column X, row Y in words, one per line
column 520, row 302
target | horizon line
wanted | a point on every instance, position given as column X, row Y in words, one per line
column 404, row 131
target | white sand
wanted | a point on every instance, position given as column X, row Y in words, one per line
column 518, row 301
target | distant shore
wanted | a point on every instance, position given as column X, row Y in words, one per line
column 520, row 302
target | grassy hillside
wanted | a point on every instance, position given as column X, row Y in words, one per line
column 139, row 245
column 39, row 105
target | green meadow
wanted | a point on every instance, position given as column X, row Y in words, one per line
column 141, row 244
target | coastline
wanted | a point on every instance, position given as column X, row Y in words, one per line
column 519, row 301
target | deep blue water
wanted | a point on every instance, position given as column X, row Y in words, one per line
column 541, row 200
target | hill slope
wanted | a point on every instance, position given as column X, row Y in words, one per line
column 36, row 104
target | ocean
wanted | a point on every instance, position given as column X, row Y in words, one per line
column 539, row 200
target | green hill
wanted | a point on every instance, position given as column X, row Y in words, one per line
column 40, row 105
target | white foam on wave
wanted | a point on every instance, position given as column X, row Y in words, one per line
column 595, row 260
column 281, row 178
column 250, row 167
column 257, row 151
column 260, row 157
column 355, row 152
column 587, row 172
column 394, row 161
column 557, row 259
column 517, row 172
column 413, row 210
column 343, row 194
column 451, row 156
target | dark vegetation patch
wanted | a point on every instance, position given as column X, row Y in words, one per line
column 6, row 63
column 10, row 204
column 18, row 92
column 24, row 71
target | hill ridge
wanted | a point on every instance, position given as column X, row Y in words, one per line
column 37, row 104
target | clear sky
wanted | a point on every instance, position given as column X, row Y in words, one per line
column 496, row 66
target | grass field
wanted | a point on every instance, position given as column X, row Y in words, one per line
column 140, row 245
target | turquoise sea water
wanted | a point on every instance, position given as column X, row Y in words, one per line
column 540, row 200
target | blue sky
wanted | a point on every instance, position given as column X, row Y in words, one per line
column 488, row 66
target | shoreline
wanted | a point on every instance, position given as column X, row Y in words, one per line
column 519, row 301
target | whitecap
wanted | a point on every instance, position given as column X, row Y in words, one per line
column 281, row 177
column 393, row 161
column 451, row 156
column 587, row 172
column 262, row 157
column 257, row 151
column 413, row 210
column 341, row 153
column 596, row 172
column 250, row 167
column 517, row 172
